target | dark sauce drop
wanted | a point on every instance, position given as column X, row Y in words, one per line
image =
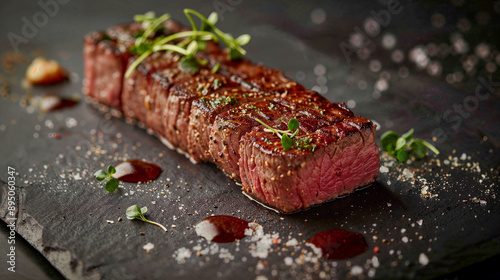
column 135, row 171
column 339, row 244
column 52, row 102
column 222, row 229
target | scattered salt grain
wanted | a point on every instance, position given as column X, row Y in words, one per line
column 148, row 247
column 407, row 173
column 288, row 261
column 182, row 254
column 420, row 222
column 375, row 262
column 423, row 259
column 356, row 270
column 383, row 169
column 292, row 242
column 463, row 156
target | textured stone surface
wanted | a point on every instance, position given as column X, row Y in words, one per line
column 66, row 218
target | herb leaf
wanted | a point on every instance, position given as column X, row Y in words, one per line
column 112, row 184
column 402, row 155
column 400, row 143
column 189, row 64
column 111, row 170
column 234, row 54
column 398, row 146
column 418, row 149
column 388, row 140
column 288, row 139
column 135, row 212
column 243, row 39
column 286, row 142
column 408, row 135
column 100, row 175
column 293, row 124
column 428, row 145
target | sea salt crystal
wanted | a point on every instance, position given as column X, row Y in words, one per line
column 375, row 262
column 148, row 247
column 182, row 254
column 407, row 173
column 288, row 261
column 420, row 222
column 423, row 259
column 383, row 169
column 292, row 242
column 463, row 156
column 356, row 270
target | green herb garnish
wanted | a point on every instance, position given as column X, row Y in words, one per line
column 135, row 212
column 286, row 136
column 192, row 41
column 216, row 68
column 224, row 100
column 112, row 183
column 305, row 143
column 398, row 146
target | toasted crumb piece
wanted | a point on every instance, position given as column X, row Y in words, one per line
column 44, row 72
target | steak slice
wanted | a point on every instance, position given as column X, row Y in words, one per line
column 230, row 126
column 311, row 109
column 104, row 65
column 137, row 96
column 177, row 108
column 203, row 114
column 106, row 57
column 344, row 157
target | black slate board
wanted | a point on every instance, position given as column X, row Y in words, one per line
column 66, row 219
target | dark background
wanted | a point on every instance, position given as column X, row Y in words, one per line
column 319, row 26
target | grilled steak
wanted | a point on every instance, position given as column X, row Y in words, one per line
column 312, row 111
column 106, row 56
column 212, row 118
column 344, row 158
column 104, row 65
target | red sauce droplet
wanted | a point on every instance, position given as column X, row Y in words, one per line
column 222, row 229
column 339, row 244
column 135, row 171
column 52, row 102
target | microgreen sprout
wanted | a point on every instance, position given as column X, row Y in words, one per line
column 192, row 41
column 135, row 212
column 111, row 183
column 286, row 136
column 400, row 147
